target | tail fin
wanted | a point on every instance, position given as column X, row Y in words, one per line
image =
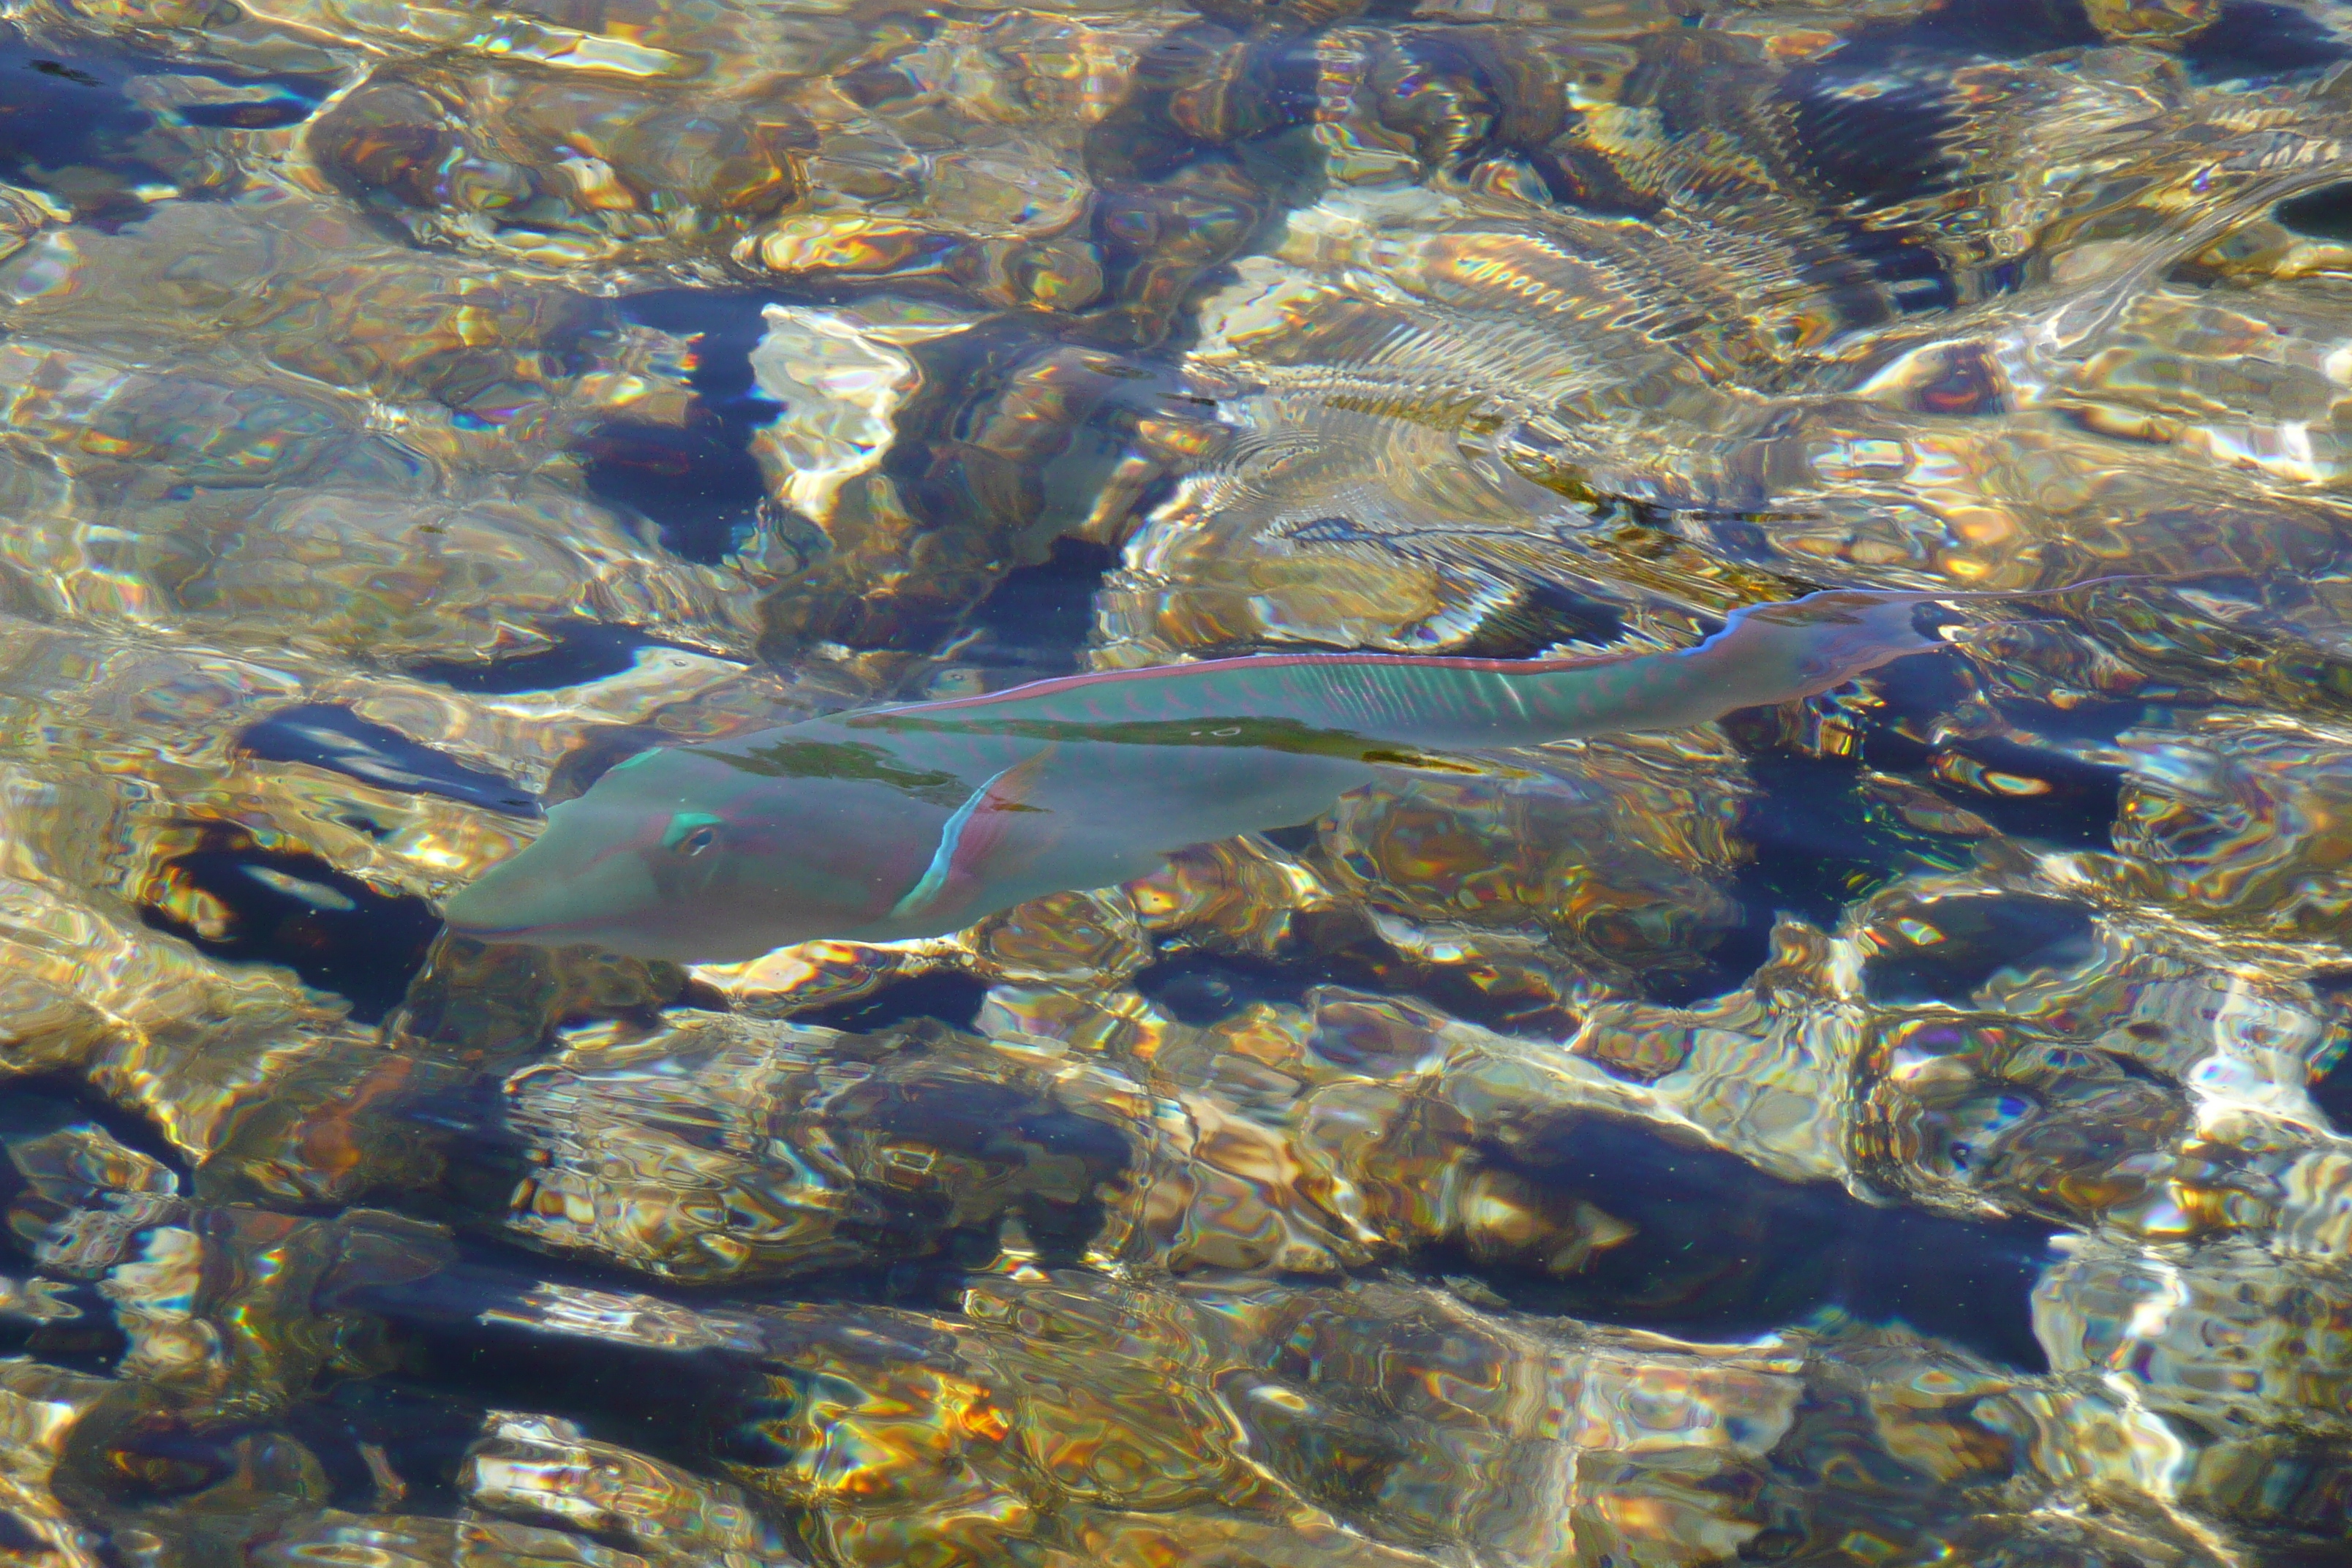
column 1823, row 640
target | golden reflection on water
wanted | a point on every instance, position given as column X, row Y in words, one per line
column 1904, row 1127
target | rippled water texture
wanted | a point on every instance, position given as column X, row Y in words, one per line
column 1900, row 1127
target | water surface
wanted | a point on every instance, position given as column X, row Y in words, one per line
column 1903, row 1127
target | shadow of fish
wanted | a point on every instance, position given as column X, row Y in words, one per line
column 894, row 823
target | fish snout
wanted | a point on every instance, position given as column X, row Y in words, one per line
column 601, row 878
column 580, row 880
column 506, row 903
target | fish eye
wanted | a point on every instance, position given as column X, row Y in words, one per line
column 691, row 832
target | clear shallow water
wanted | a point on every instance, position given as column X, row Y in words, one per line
column 1898, row 1128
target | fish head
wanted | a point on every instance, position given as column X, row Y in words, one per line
column 664, row 857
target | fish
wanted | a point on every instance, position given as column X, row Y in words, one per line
column 894, row 823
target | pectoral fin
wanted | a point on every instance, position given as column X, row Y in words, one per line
column 977, row 830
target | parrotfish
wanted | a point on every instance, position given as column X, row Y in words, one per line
column 892, row 823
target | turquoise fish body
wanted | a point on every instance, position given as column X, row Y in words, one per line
column 894, row 823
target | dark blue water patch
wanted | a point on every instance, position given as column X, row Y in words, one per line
column 1818, row 840
column 67, row 126
column 653, row 1401
column 92, row 1343
column 270, row 114
column 1330, row 531
column 599, row 749
column 2331, row 1092
column 1721, row 1251
column 1818, row 843
column 2041, row 793
column 159, row 1452
column 289, row 99
column 2046, row 794
column 1578, row 176
column 327, row 735
column 61, row 114
column 1463, row 66
column 953, row 999
column 1203, row 988
column 696, row 484
column 1162, row 235
column 1191, row 94
column 461, row 1348
column 726, row 325
column 2098, row 724
column 1542, row 615
column 1903, row 263
column 1200, row 989
column 1037, row 618
column 2322, row 213
column 1028, row 1144
column 463, row 1340
column 1869, row 136
column 420, row 1436
column 18, row 1542
column 1295, row 840
column 289, row 908
column 33, row 1108
column 52, row 111
column 2250, row 41
column 1025, row 1155
column 458, row 1343
column 582, row 651
column 35, row 1105
column 1294, row 63
column 2001, row 29
column 1979, row 938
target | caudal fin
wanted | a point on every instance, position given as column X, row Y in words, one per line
column 1825, row 639
column 1802, row 646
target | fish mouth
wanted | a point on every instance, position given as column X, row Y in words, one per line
column 523, row 912
column 523, row 933
column 493, row 924
column 475, row 933
column 490, row 933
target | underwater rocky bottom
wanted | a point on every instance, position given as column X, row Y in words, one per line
column 1900, row 1127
